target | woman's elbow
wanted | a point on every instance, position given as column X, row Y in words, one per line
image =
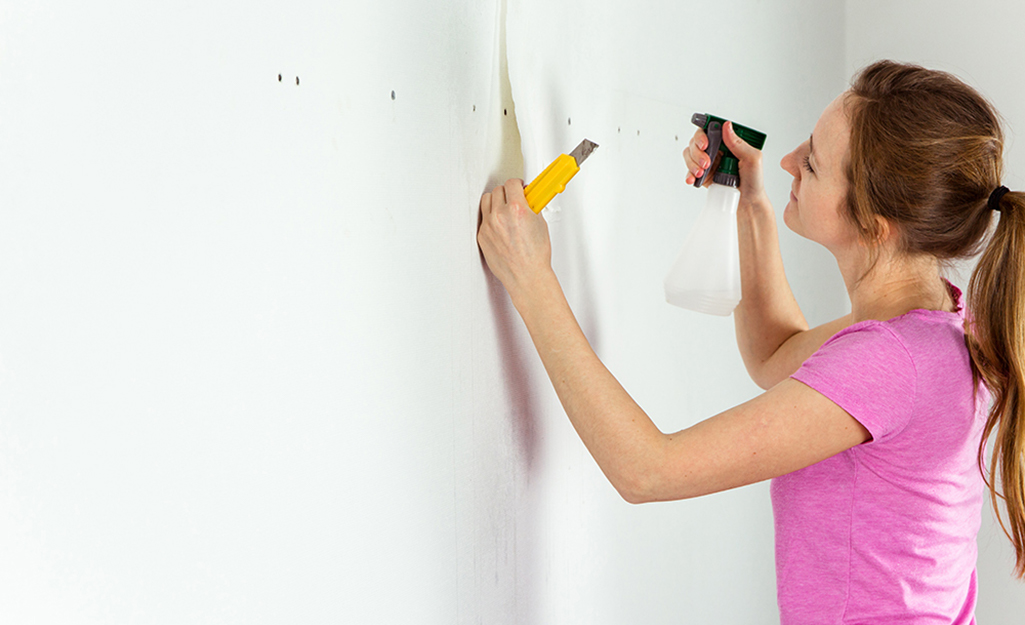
column 655, row 475
column 634, row 489
column 650, row 489
column 633, row 497
column 664, row 482
column 764, row 376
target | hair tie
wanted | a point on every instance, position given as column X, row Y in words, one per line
column 996, row 196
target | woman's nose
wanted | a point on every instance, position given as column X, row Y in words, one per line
column 789, row 164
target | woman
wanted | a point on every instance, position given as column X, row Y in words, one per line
column 872, row 424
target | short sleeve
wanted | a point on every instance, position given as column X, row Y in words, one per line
column 866, row 370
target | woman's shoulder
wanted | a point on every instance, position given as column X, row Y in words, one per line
column 864, row 335
column 909, row 329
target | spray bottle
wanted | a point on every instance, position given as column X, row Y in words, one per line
column 706, row 274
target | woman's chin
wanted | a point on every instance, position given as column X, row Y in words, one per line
column 790, row 216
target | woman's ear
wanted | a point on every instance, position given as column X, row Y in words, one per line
column 882, row 233
column 880, row 236
column 887, row 232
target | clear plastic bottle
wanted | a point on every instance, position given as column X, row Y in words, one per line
column 706, row 274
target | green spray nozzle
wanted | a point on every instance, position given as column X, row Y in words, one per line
column 728, row 172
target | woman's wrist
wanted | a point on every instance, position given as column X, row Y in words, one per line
column 528, row 294
column 755, row 207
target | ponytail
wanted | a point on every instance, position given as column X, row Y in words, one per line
column 996, row 342
column 926, row 154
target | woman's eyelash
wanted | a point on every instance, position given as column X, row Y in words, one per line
column 807, row 165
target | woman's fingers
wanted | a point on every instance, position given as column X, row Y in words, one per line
column 501, row 196
column 485, row 204
column 513, row 192
column 752, row 187
column 512, row 238
column 694, row 156
column 690, row 159
column 736, row 143
column 498, row 195
column 694, row 168
column 490, row 202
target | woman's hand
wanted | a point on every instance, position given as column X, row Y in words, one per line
column 696, row 159
column 752, row 185
column 513, row 238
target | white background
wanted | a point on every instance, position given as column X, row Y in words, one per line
column 252, row 369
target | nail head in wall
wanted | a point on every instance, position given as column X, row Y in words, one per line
column 638, row 133
column 297, row 80
column 505, row 111
column 279, row 77
column 620, row 129
column 393, row 94
column 569, row 121
column 474, row 108
column 676, row 137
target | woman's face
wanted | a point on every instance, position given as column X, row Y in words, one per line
column 815, row 210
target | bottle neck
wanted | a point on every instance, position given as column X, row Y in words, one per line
column 725, row 179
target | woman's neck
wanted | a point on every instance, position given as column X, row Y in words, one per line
column 895, row 285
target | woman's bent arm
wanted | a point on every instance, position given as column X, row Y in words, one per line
column 787, row 428
column 768, row 315
column 772, row 333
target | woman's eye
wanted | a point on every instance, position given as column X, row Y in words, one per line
column 807, row 165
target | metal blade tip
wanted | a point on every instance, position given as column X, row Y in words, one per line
column 582, row 151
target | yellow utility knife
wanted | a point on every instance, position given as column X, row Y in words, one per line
column 553, row 179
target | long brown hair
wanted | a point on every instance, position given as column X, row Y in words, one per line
column 926, row 152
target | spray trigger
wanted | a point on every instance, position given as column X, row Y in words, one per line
column 714, row 133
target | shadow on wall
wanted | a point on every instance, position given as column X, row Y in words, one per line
column 516, row 372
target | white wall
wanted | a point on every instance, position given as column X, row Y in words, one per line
column 979, row 45
column 252, row 371
column 252, row 368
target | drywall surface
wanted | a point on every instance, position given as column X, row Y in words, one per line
column 974, row 45
column 252, row 368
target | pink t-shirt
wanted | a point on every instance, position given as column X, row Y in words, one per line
column 885, row 531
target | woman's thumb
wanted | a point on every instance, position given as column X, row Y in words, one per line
column 735, row 143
